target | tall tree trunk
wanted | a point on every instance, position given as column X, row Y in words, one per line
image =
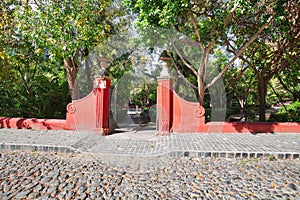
column 201, row 90
column 262, row 90
column 202, row 72
column 72, row 70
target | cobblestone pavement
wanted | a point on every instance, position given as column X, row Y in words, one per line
column 48, row 175
column 146, row 143
column 140, row 165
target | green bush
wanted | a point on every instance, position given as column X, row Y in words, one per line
column 289, row 114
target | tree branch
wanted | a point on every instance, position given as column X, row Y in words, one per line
column 195, row 26
column 185, row 79
column 279, row 98
column 242, row 50
column 183, row 60
column 234, row 51
column 230, row 15
column 284, row 85
column 238, row 77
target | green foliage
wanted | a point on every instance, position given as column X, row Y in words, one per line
column 35, row 38
column 176, row 15
column 34, row 41
column 291, row 113
column 144, row 96
column 289, row 79
column 44, row 96
column 275, row 51
column 208, row 23
column 241, row 89
column 66, row 26
column 30, row 85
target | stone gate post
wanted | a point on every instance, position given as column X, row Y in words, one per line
column 164, row 106
column 102, row 93
column 164, row 99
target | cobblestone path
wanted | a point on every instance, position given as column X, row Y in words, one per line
column 48, row 175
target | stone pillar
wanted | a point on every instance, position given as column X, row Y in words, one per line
column 102, row 90
column 164, row 99
column 164, row 106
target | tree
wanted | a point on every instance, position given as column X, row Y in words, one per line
column 144, row 84
column 290, row 79
column 241, row 91
column 30, row 85
column 6, row 27
column 274, row 51
column 207, row 22
column 68, row 30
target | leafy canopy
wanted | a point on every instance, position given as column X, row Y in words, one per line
column 65, row 27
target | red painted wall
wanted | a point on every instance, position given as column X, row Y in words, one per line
column 174, row 115
column 92, row 111
column 185, row 117
column 37, row 124
column 88, row 113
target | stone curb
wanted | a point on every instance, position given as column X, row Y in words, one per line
column 41, row 148
column 174, row 154
column 240, row 154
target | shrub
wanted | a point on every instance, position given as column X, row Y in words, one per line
column 289, row 114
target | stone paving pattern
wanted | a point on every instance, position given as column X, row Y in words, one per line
column 146, row 143
column 141, row 165
column 44, row 175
